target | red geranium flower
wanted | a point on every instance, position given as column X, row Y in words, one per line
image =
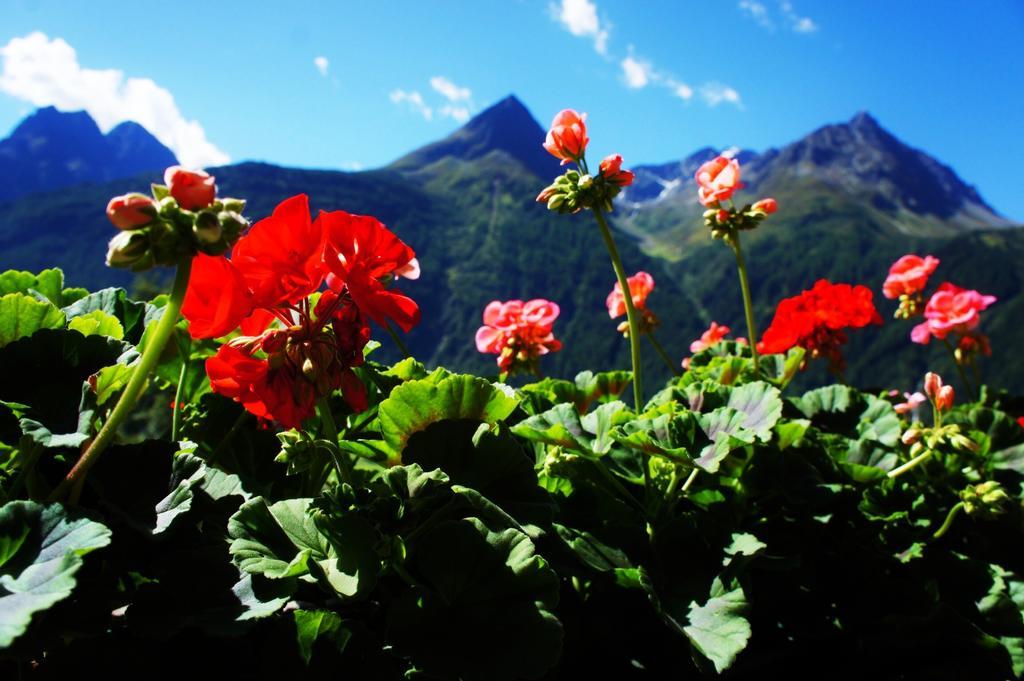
column 815, row 320
column 279, row 373
column 362, row 256
column 281, row 257
column 519, row 333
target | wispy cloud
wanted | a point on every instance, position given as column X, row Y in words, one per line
column 415, row 101
column 635, row 72
column 638, row 73
column 579, row 17
column 46, row 72
column 449, row 90
column 457, row 104
column 795, row 21
column 758, row 12
column 718, row 93
column 786, row 15
column 322, row 65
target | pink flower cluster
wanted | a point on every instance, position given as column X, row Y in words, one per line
column 519, row 333
column 951, row 309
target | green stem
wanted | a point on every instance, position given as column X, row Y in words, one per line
column 664, row 355
column 689, row 480
column 329, row 431
column 896, row 472
column 960, row 369
column 748, row 304
column 176, row 418
column 397, row 340
column 150, row 358
column 634, row 327
column 950, row 517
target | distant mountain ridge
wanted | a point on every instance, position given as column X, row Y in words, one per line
column 911, row 190
column 52, row 149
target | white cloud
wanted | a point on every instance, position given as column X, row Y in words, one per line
column 805, row 25
column 352, row 166
column 680, row 90
column 449, row 90
column 459, row 113
column 636, row 73
column 322, row 65
column 46, row 72
column 788, row 16
column 758, row 12
column 415, row 100
column 579, row 17
column 716, row 93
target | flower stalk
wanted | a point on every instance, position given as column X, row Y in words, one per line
column 150, row 358
column 631, row 314
column 748, row 304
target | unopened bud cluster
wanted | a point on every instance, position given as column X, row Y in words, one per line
column 985, row 500
column 726, row 222
column 183, row 217
column 573, row 191
column 560, row 464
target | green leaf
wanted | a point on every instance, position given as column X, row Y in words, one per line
column 880, row 422
column 490, row 595
column 494, row 465
column 41, row 549
column 283, row 540
column 792, row 432
column 563, row 426
column 831, row 399
column 311, row 625
column 133, row 316
column 111, row 380
column 97, row 323
column 414, row 405
column 593, row 552
column 761, row 406
column 190, row 476
column 22, row 315
column 718, row 629
column 48, row 283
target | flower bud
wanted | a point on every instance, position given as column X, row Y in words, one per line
column 131, row 211
column 765, row 206
column 910, row 436
column 207, row 228
column 932, row 383
column 612, row 172
column 722, row 216
column 944, row 400
column 128, row 249
column 192, row 189
column 585, row 182
column 986, row 499
column 233, row 205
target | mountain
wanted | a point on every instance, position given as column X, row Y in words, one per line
column 506, row 127
column 52, row 149
column 895, row 186
column 466, row 205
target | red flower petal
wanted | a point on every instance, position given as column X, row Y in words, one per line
column 217, row 299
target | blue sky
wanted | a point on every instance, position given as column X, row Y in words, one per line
column 355, row 85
